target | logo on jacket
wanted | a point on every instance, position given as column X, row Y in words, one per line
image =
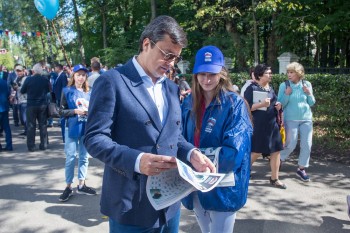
column 210, row 124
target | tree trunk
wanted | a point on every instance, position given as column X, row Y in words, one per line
column 60, row 40
column 80, row 35
column 104, row 27
column 240, row 58
column 308, row 49
column 153, row 8
column 347, row 53
column 103, row 10
column 44, row 47
column 265, row 42
column 332, row 52
column 272, row 48
column 317, row 53
column 256, row 48
column 324, row 53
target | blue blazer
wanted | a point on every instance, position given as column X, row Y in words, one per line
column 60, row 82
column 124, row 122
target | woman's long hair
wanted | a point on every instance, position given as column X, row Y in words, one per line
column 224, row 85
column 85, row 86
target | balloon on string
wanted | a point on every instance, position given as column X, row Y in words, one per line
column 47, row 8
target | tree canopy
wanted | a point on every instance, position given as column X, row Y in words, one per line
column 317, row 31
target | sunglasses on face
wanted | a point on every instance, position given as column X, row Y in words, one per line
column 169, row 57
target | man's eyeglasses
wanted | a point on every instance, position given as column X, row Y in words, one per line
column 169, row 56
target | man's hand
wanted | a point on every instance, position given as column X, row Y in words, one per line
column 201, row 162
column 152, row 164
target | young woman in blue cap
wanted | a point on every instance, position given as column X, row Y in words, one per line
column 74, row 104
column 215, row 116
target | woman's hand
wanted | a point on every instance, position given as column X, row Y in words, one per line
column 266, row 103
column 79, row 112
column 306, row 90
column 288, row 91
column 201, row 162
column 278, row 106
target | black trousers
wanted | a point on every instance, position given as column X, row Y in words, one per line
column 36, row 113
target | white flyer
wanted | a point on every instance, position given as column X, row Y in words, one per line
column 171, row 186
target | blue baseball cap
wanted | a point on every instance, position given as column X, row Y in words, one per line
column 76, row 68
column 209, row 59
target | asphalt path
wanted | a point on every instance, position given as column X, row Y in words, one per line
column 31, row 182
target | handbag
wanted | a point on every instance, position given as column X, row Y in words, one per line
column 280, row 124
column 283, row 134
column 53, row 110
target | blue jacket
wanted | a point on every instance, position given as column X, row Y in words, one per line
column 125, row 122
column 227, row 125
column 76, row 124
column 60, row 82
column 4, row 96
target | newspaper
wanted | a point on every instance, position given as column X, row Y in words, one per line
column 171, row 186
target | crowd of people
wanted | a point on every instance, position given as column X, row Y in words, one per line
column 145, row 114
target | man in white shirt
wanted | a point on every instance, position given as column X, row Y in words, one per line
column 135, row 129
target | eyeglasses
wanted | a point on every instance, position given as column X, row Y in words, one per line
column 168, row 56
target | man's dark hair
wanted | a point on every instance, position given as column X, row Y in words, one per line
column 96, row 66
column 250, row 71
column 161, row 26
column 59, row 66
column 260, row 69
column 17, row 64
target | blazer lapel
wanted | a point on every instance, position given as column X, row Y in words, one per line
column 135, row 84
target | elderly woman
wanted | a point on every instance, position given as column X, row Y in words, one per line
column 296, row 97
column 266, row 135
column 74, row 105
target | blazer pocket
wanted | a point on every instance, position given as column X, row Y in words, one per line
column 129, row 195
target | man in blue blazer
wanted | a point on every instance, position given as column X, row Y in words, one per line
column 134, row 127
column 60, row 82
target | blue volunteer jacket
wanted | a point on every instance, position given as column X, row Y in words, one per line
column 227, row 125
column 76, row 125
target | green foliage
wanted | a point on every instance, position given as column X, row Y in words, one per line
column 7, row 60
column 120, row 53
column 317, row 31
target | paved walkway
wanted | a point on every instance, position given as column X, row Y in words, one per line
column 30, row 184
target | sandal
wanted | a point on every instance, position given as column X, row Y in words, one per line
column 277, row 183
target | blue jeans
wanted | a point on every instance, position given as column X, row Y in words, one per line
column 71, row 147
column 305, row 129
column 23, row 117
column 171, row 227
column 5, row 125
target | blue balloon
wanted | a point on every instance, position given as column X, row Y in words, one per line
column 47, row 8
